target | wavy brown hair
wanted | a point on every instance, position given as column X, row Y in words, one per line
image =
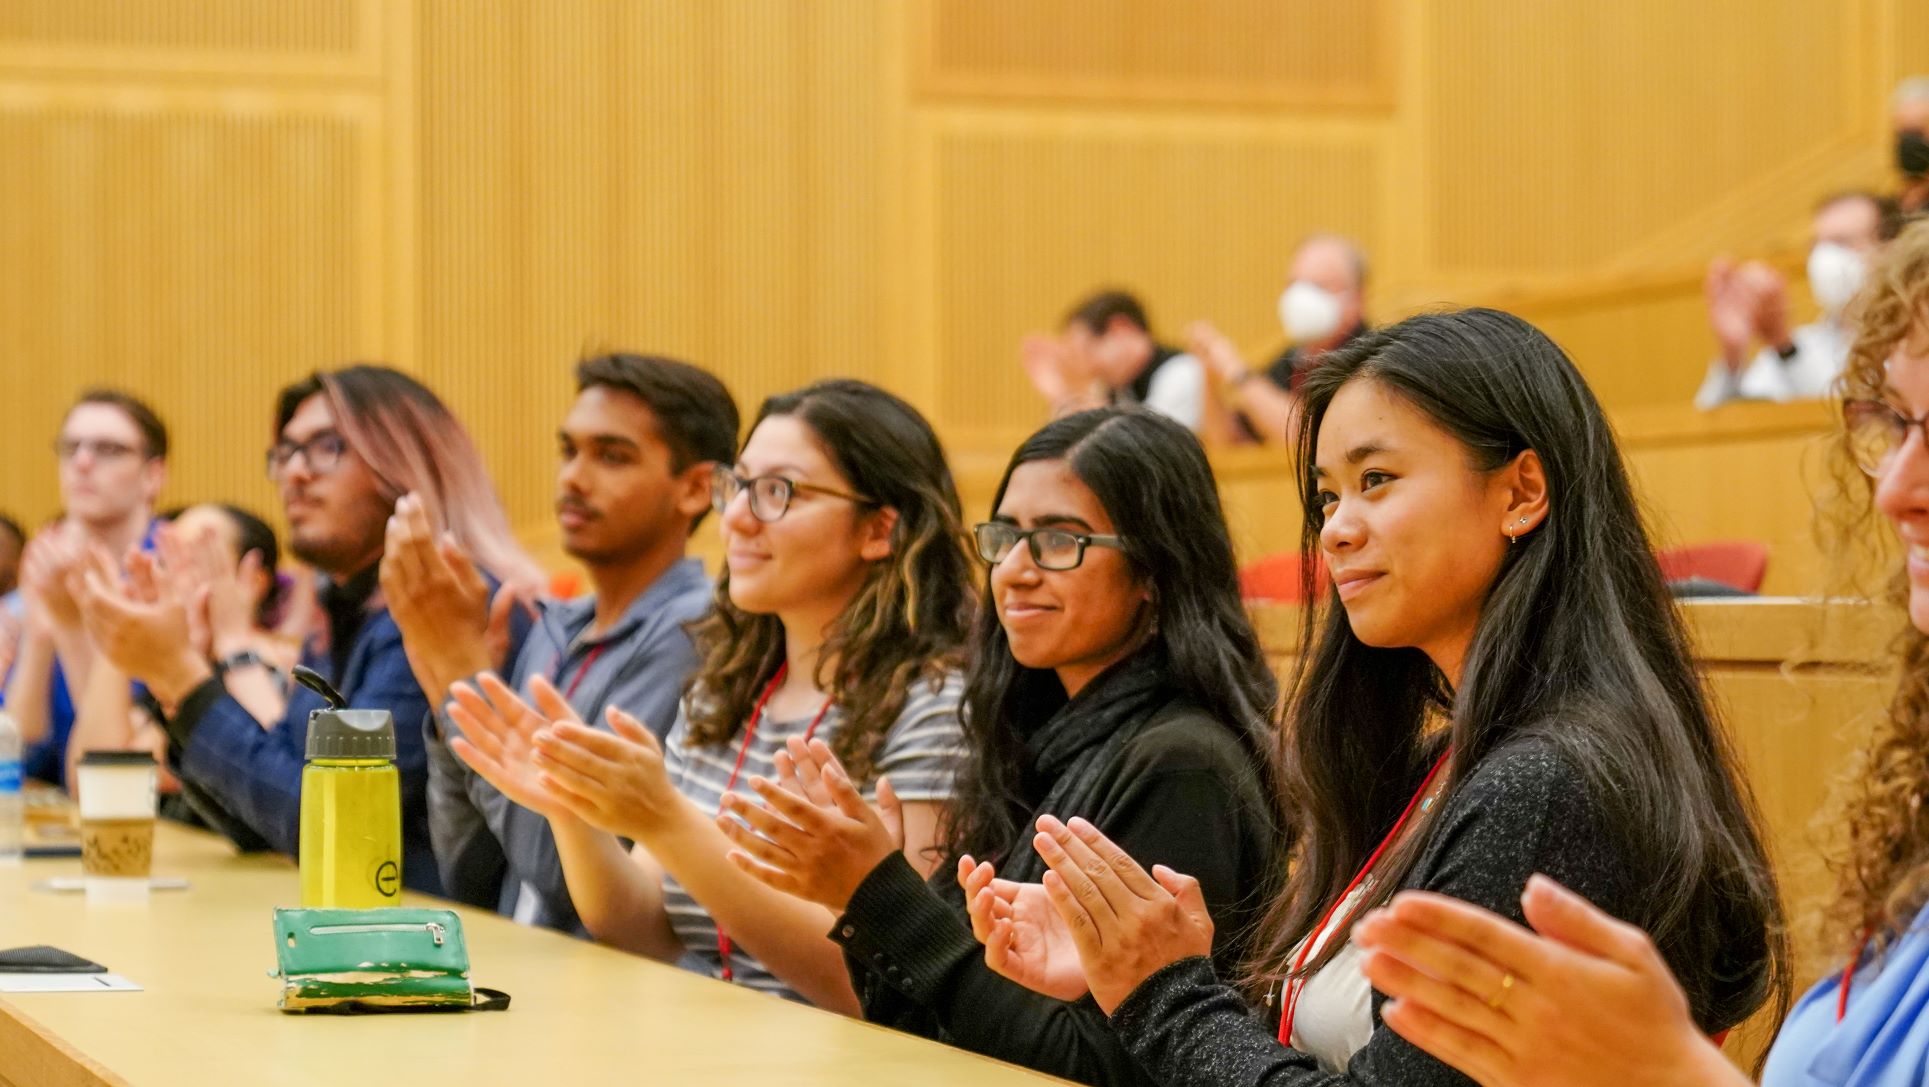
column 1881, row 865
column 909, row 618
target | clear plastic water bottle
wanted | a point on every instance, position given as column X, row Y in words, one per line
column 13, row 807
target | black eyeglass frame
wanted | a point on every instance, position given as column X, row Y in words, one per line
column 282, row 454
column 725, row 477
column 992, row 556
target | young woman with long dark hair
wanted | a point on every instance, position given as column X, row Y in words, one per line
column 1115, row 676
column 1496, row 684
column 1593, row 1004
column 840, row 616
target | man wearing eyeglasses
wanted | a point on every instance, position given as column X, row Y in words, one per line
column 112, row 454
column 349, row 443
column 636, row 453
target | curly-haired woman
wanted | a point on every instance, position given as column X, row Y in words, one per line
column 841, row 615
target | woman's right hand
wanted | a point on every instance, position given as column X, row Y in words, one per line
column 1025, row 939
column 1583, row 1001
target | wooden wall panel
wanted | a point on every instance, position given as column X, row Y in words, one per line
column 1245, row 52
column 199, row 249
column 1034, row 213
column 317, row 25
column 699, row 180
column 480, row 189
column 1563, row 133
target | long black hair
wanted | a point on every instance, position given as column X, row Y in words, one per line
column 1152, row 478
column 1577, row 642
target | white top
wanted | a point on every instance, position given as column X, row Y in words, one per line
column 1178, row 391
column 1821, row 352
column 1334, row 1016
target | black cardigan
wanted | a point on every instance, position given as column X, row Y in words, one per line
column 1181, row 790
column 1523, row 810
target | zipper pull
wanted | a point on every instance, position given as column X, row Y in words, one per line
column 435, row 931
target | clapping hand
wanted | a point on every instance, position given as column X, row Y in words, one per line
column 814, row 837
column 1212, row 347
column 1583, row 1001
column 140, row 624
column 498, row 738
column 1126, row 924
column 1025, row 939
column 440, row 601
column 47, row 568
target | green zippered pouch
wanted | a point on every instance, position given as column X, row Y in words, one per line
column 396, row 959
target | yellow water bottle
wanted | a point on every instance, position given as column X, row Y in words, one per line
column 351, row 809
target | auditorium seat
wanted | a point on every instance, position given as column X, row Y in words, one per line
column 1275, row 579
column 1740, row 563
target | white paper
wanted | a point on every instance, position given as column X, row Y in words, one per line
column 66, row 983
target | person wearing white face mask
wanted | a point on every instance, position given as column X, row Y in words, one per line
column 1749, row 304
column 1320, row 309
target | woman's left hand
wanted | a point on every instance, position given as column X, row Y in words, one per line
column 814, row 837
column 1128, row 925
column 1586, row 1000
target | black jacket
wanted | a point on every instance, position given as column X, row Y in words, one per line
column 1162, row 778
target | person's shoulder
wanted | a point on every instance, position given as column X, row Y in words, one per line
column 1525, row 773
column 933, row 700
column 1183, row 735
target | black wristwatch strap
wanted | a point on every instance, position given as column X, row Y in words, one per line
column 238, row 660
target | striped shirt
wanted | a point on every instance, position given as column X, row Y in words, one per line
column 920, row 754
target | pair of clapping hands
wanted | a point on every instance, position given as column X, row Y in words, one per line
column 813, row 837
column 164, row 615
column 1098, row 922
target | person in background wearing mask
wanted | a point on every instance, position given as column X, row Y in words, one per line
column 1105, row 355
column 1321, row 309
column 1909, row 110
column 1749, row 304
column 112, row 453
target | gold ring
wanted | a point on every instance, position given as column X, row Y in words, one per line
column 1500, row 994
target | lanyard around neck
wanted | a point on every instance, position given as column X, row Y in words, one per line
column 1295, row 982
column 749, row 738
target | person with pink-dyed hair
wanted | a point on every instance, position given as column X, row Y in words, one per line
column 349, row 443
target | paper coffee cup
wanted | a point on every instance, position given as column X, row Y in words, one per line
column 117, row 800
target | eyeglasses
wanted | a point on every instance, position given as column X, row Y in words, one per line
column 1876, row 431
column 321, row 452
column 769, row 495
column 1051, row 548
column 101, row 449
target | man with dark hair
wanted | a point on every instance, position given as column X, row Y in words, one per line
column 1748, row 305
column 638, row 449
column 348, row 443
column 112, row 454
column 1105, row 354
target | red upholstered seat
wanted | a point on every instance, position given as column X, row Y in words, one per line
column 1740, row 563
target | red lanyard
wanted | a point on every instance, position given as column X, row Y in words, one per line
column 1295, row 983
column 1848, row 978
column 588, row 662
column 750, row 737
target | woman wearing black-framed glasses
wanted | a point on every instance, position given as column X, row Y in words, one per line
column 1121, row 682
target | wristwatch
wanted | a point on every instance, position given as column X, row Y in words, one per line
column 238, row 660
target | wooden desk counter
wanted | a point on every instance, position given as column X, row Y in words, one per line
column 581, row 1013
